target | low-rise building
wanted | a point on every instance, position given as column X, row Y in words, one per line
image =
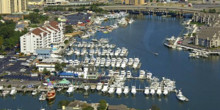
column 208, row 37
column 42, row 37
column 36, row 2
column 14, row 18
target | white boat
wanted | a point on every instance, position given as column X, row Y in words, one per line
column 118, row 90
column 136, row 63
column 86, row 87
column 126, row 90
column 34, row 92
column 70, row 89
column 129, row 75
column 149, row 75
column 105, row 88
column 159, row 91
column 99, row 86
column 111, row 89
column 130, row 61
column 131, row 21
column 152, row 91
column 181, row 97
column 146, row 91
column 1, row 87
column 142, row 74
column 13, row 91
column 42, row 96
column 165, row 91
column 4, row 93
column 133, row 90
column 113, row 62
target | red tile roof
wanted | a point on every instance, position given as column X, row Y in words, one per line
column 37, row 31
column 54, row 24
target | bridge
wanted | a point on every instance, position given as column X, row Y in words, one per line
column 165, row 9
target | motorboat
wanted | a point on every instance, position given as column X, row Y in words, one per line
column 86, row 87
column 111, row 89
column 126, row 90
column 42, row 96
column 149, row 75
column 99, row 86
column 130, row 61
column 70, row 89
column 181, row 97
column 4, row 93
column 133, row 90
column 34, row 92
column 142, row 74
column 105, row 88
column 1, row 87
column 159, row 91
column 165, row 91
column 13, row 91
column 118, row 90
column 152, row 91
column 136, row 63
column 129, row 75
column 146, row 91
column 51, row 94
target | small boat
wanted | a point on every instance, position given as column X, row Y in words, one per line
column 142, row 74
column 13, row 91
column 34, row 92
column 129, row 75
column 159, row 92
column 111, row 89
column 119, row 91
column 146, row 91
column 133, row 90
column 4, row 93
column 152, row 91
column 126, row 90
column 42, row 96
column 51, row 94
column 99, row 86
column 70, row 89
column 1, row 87
column 181, row 97
column 165, row 91
column 86, row 87
column 105, row 88
column 59, row 89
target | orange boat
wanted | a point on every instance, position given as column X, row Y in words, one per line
column 51, row 94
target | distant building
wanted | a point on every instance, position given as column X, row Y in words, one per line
column 36, row 2
column 133, row 2
column 204, row 18
column 14, row 18
column 21, row 25
column 42, row 37
column 12, row 6
column 208, row 37
column 56, row 1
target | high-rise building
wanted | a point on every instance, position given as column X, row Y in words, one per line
column 12, row 6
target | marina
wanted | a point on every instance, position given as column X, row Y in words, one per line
column 130, row 78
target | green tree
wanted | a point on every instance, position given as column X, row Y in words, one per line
column 69, row 29
column 88, row 108
column 46, row 72
column 66, row 41
column 63, row 103
column 59, row 67
column 1, row 41
column 36, row 10
column 102, row 105
column 155, row 107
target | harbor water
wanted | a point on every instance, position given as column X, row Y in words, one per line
column 198, row 79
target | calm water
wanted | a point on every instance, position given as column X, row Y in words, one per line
column 199, row 79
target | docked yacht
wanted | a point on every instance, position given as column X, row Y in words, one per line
column 131, row 21
column 42, row 96
column 13, row 91
column 34, row 92
column 4, row 93
column 105, row 88
column 152, row 91
column 149, row 75
column 159, row 91
column 133, row 90
column 1, row 87
column 146, row 91
column 136, row 63
column 70, row 89
column 142, row 74
column 126, row 90
column 111, row 89
column 86, row 87
column 130, row 61
column 119, row 90
column 165, row 91
column 99, row 86
column 129, row 75
column 113, row 62
column 181, row 97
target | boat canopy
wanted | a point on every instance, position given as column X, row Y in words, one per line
column 64, row 81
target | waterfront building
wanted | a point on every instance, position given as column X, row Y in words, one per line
column 208, row 37
column 48, row 66
column 36, row 2
column 133, row 2
column 12, row 6
column 47, row 36
column 204, row 18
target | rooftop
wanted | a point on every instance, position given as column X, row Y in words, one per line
column 208, row 32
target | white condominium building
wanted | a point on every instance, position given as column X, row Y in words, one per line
column 42, row 37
